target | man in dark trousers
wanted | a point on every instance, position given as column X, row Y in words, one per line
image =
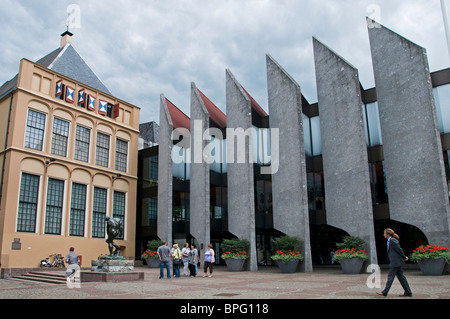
column 397, row 259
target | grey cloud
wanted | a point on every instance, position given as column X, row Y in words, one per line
column 141, row 49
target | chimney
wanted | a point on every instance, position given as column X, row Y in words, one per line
column 66, row 37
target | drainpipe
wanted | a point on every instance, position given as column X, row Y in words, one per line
column 6, row 145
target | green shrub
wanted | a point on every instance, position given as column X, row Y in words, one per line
column 287, row 243
column 350, row 242
column 154, row 244
column 235, row 245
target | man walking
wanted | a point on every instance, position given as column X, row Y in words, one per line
column 164, row 260
column 397, row 259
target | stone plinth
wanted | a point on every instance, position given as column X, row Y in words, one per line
column 112, row 265
column 111, row 270
column 111, row 276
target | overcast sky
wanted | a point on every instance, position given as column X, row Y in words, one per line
column 141, row 49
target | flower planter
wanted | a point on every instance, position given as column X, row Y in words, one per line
column 235, row 264
column 432, row 267
column 351, row 266
column 288, row 267
column 153, row 262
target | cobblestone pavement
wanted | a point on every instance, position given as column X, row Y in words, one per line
column 267, row 283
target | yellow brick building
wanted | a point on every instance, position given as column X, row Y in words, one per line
column 68, row 159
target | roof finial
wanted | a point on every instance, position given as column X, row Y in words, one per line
column 66, row 37
column 67, row 24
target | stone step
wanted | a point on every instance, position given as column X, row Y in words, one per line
column 49, row 278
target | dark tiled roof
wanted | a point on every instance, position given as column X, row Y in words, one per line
column 67, row 62
column 149, row 132
column 49, row 58
column 8, row 86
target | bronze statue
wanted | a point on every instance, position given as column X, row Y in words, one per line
column 114, row 229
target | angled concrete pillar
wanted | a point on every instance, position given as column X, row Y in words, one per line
column 199, row 182
column 289, row 183
column 345, row 160
column 413, row 159
column 165, row 180
column 241, row 200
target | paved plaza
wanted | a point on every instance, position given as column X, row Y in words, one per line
column 267, row 283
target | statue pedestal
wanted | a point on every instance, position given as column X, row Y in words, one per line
column 114, row 264
column 112, row 269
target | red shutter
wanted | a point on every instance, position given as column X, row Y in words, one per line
column 116, row 110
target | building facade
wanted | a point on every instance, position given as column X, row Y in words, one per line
column 354, row 163
column 69, row 159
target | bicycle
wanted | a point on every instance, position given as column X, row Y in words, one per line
column 58, row 261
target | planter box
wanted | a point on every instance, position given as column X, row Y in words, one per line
column 153, row 262
column 288, row 267
column 432, row 267
column 235, row 264
column 352, row 266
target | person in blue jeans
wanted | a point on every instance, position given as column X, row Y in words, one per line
column 164, row 260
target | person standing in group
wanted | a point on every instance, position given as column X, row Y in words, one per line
column 176, row 256
column 185, row 252
column 193, row 259
column 209, row 261
column 164, row 260
column 397, row 259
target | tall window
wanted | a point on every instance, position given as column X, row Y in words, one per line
column 99, row 213
column 60, row 137
column 82, row 141
column 121, row 155
column 53, row 213
column 119, row 208
column 28, row 201
column 78, row 210
column 102, row 154
column 149, row 211
column 34, row 136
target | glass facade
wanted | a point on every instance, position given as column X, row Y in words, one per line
column 321, row 233
column 442, row 101
column 372, row 124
